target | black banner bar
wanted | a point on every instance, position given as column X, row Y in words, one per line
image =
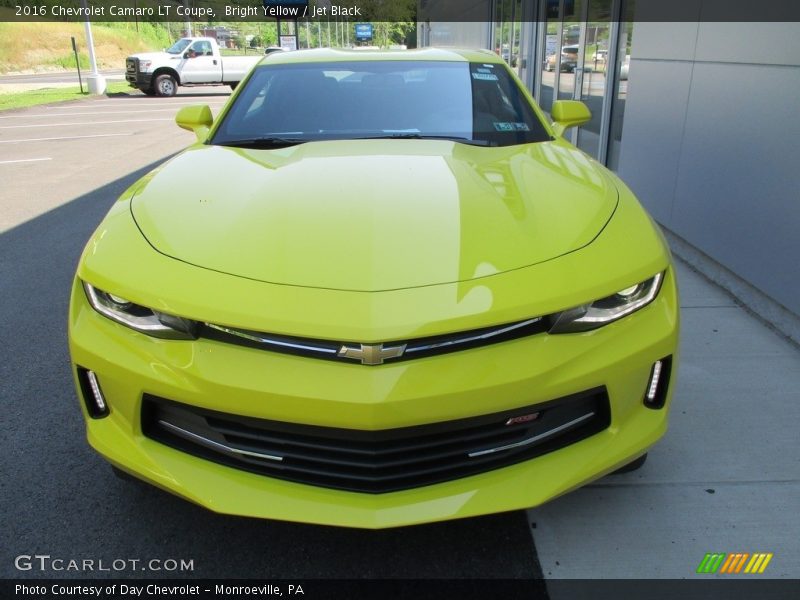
column 365, row 11
column 701, row 588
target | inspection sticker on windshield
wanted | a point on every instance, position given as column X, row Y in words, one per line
column 511, row 127
column 485, row 76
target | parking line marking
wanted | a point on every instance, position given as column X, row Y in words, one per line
column 69, row 137
column 122, row 112
column 22, row 160
column 135, row 102
column 79, row 124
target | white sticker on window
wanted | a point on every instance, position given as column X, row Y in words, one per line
column 511, row 127
column 484, row 76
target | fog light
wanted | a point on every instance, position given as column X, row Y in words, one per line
column 656, row 393
column 92, row 394
column 651, row 391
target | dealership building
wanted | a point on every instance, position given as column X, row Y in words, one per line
column 700, row 115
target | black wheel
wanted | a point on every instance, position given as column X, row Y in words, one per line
column 165, row 85
column 147, row 91
column 233, row 85
column 632, row 466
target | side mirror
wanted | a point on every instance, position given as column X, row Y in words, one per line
column 569, row 113
column 197, row 118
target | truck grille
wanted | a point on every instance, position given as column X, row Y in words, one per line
column 131, row 65
column 376, row 461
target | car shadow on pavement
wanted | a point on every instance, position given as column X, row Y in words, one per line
column 61, row 498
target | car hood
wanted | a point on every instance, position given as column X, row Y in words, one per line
column 155, row 56
column 369, row 215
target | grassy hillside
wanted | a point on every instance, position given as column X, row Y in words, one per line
column 46, row 46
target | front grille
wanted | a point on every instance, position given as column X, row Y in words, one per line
column 395, row 350
column 376, row 461
column 131, row 65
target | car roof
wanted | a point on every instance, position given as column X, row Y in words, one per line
column 348, row 55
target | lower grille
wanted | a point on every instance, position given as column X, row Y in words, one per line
column 377, row 461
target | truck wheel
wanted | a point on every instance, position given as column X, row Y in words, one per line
column 165, row 85
column 233, row 85
column 147, row 91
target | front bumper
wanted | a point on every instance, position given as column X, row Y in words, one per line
column 139, row 80
column 265, row 385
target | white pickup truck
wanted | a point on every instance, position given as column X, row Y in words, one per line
column 189, row 61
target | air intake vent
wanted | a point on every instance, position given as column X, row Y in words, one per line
column 377, row 461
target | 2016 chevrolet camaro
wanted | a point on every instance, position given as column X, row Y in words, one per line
column 381, row 289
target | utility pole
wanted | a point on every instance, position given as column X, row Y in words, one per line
column 188, row 23
column 95, row 81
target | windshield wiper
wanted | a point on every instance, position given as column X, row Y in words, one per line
column 402, row 135
column 263, row 142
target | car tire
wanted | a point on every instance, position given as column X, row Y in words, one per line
column 233, row 86
column 632, row 466
column 165, row 85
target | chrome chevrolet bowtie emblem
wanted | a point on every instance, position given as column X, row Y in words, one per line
column 371, row 354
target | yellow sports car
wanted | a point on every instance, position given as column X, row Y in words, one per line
column 381, row 289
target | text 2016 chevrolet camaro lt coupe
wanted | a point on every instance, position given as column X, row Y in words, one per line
column 381, row 289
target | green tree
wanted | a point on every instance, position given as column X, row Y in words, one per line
column 269, row 34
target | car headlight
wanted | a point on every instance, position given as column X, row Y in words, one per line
column 606, row 310
column 144, row 65
column 140, row 318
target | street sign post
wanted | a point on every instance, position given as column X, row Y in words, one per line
column 364, row 32
column 77, row 62
column 288, row 42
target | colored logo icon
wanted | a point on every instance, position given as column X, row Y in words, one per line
column 735, row 563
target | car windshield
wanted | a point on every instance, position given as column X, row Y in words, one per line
column 472, row 103
column 179, row 46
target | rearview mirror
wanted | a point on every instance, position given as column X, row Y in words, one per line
column 569, row 113
column 197, row 118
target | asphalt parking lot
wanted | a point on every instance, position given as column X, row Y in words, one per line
column 726, row 478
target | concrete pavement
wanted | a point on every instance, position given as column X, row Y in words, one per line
column 726, row 477
column 53, row 154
